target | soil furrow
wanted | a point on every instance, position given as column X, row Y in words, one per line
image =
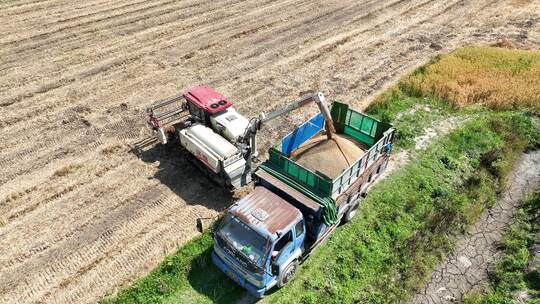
column 80, row 85
column 104, row 52
column 42, row 40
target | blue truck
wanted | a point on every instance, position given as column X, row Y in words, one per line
column 309, row 185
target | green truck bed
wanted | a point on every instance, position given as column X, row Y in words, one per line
column 367, row 131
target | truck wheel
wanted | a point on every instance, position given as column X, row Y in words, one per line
column 351, row 212
column 287, row 274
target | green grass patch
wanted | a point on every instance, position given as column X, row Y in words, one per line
column 509, row 276
column 411, row 116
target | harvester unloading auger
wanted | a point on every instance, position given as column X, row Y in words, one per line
column 220, row 141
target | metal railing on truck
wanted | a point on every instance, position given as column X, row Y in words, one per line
column 349, row 176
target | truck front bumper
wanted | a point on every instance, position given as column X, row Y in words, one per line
column 237, row 277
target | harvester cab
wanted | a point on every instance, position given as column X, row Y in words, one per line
column 209, row 128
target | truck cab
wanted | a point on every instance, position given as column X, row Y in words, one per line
column 260, row 241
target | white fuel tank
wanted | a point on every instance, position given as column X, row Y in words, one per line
column 216, row 153
column 210, row 148
column 216, row 143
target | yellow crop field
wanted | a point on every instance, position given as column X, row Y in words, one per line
column 496, row 77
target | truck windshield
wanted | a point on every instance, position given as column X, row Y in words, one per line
column 244, row 239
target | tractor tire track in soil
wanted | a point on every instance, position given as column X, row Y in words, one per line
column 80, row 214
column 466, row 269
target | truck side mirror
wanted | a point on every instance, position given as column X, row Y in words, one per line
column 274, row 269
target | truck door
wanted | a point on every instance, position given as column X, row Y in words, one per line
column 281, row 252
column 286, row 261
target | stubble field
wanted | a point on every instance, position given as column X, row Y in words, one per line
column 80, row 213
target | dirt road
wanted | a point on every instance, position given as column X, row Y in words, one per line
column 466, row 270
column 79, row 213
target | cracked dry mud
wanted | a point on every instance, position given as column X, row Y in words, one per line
column 79, row 214
column 466, row 269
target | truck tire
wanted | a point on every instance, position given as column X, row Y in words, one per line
column 351, row 212
column 287, row 274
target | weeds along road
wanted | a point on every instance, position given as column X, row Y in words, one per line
column 79, row 213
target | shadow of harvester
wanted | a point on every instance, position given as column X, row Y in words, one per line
column 181, row 176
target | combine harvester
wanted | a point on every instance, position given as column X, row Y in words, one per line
column 220, row 141
column 310, row 183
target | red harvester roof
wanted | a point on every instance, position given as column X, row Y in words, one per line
column 207, row 99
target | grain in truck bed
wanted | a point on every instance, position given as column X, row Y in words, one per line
column 329, row 157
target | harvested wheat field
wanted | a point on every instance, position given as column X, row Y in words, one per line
column 82, row 210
